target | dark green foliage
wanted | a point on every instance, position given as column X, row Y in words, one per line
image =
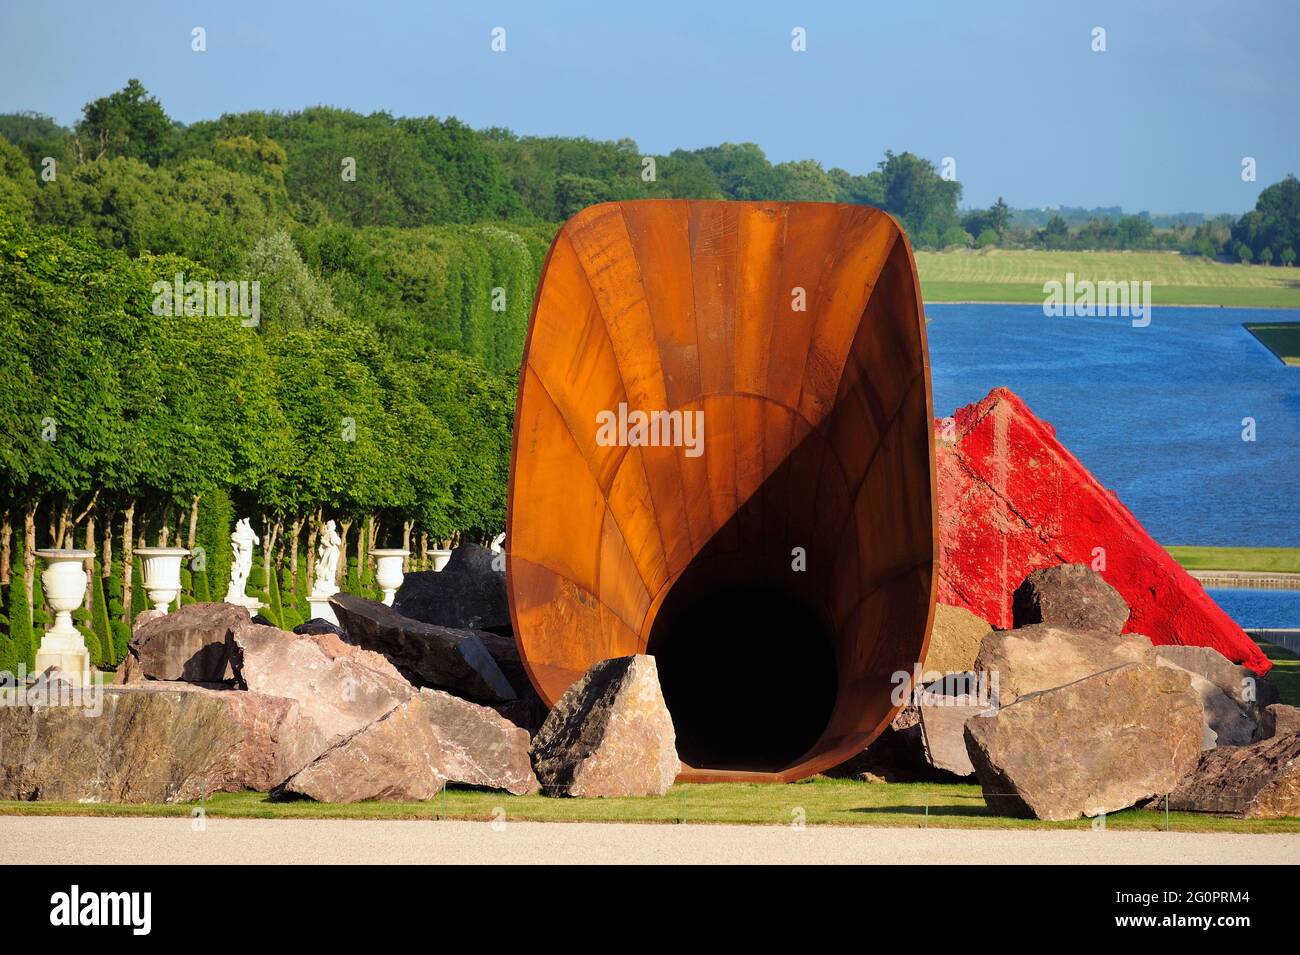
column 139, row 599
column 273, row 596
column 121, row 637
column 100, row 619
column 1272, row 226
column 352, row 580
column 93, row 647
column 128, row 123
column 16, row 641
column 212, row 533
column 199, row 587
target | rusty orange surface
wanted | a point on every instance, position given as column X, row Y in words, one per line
column 816, row 445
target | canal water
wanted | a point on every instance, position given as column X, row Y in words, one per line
column 1157, row 413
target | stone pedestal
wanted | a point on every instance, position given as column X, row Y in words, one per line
column 321, row 609
column 251, row 604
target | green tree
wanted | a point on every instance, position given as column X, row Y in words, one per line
column 291, row 296
column 914, row 192
column 128, row 123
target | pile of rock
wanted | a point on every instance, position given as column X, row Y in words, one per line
column 383, row 707
column 1066, row 716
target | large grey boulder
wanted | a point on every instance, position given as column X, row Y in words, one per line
column 479, row 746
column 467, row 594
column 610, row 734
column 1226, row 723
column 410, row 752
column 1248, row 690
column 1040, row 657
column 396, row 757
column 1259, row 781
column 427, row 655
column 1101, row 744
column 192, row 644
column 341, row 691
column 1069, row 595
column 152, row 742
column 944, row 707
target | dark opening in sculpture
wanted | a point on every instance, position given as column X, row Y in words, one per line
column 781, row 568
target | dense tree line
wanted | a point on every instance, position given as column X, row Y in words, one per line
column 124, row 424
column 1268, row 234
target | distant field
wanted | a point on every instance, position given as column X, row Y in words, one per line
column 1284, row 560
column 1281, row 338
column 997, row 275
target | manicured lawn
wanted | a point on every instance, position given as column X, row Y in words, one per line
column 998, row 275
column 1262, row 559
column 1281, row 338
column 817, row 802
column 1285, row 674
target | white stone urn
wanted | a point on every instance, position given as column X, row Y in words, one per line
column 162, row 574
column 440, row 558
column 388, row 570
column 64, row 583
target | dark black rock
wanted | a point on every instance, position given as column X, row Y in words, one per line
column 469, row 593
column 317, row 625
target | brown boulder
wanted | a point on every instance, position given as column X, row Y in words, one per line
column 610, row 734
column 954, row 640
column 1247, row 689
column 1098, row 745
column 1259, row 781
column 427, row 655
column 1040, row 657
column 1277, row 719
column 191, row 644
column 150, row 743
column 143, row 617
column 342, row 693
column 479, row 746
column 1226, row 723
column 1069, row 595
column 397, row 757
column 944, row 708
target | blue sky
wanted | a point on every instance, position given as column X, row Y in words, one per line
column 1012, row 91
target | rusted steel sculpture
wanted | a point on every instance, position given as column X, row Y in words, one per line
column 724, row 457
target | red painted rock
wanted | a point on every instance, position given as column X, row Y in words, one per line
column 1013, row 499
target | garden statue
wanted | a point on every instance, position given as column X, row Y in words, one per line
column 242, row 542
column 327, row 562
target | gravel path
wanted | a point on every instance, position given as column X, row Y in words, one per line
column 71, row 839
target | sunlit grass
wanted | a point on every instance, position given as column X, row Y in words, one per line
column 816, row 802
column 1262, row 559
